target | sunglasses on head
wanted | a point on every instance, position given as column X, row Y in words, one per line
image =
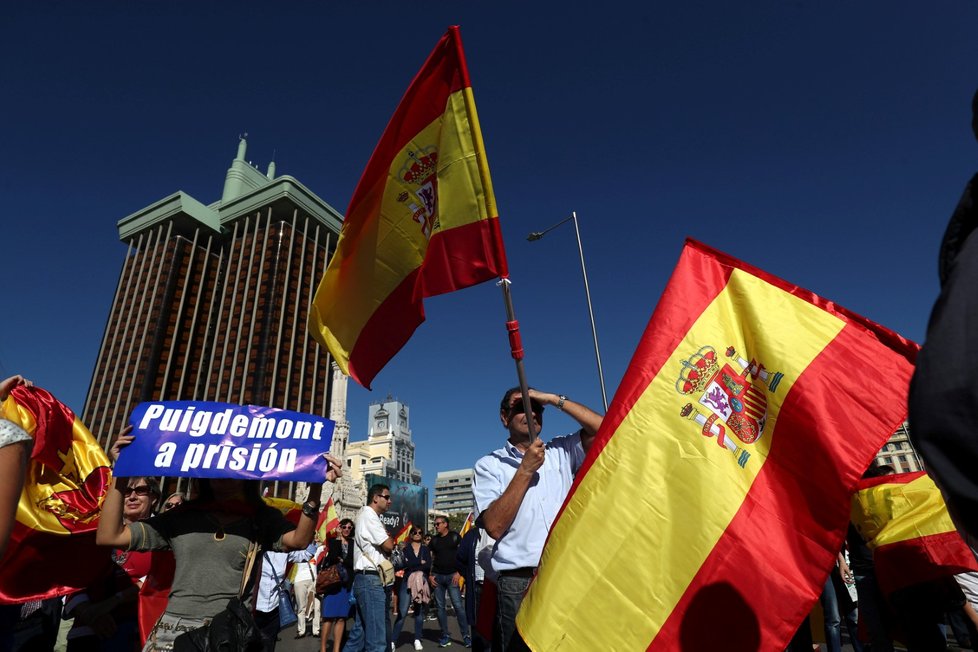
column 141, row 490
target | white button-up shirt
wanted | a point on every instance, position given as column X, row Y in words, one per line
column 521, row 545
column 272, row 573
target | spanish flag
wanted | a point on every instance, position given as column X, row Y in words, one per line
column 52, row 547
column 715, row 497
column 290, row 509
column 904, row 521
column 328, row 521
column 421, row 222
column 404, row 533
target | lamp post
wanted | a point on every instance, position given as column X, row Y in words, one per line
column 536, row 235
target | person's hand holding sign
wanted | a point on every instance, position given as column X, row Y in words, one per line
column 121, row 441
column 334, row 468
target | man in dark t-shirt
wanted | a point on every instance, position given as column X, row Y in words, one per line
column 444, row 545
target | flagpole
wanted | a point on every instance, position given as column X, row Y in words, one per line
column 516, row 350
column 512, row 325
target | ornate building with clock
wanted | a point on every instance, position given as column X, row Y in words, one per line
column 388, row 450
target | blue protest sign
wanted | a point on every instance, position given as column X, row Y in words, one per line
column 203, row 439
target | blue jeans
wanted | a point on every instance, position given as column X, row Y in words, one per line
column 444, row 583
column 403, row 602
column 872, row 611
column 509, row 597
column 830, row 614
column 371, row 628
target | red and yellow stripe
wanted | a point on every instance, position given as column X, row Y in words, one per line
column 905, row 522
column 664, row 529
column 421, row 222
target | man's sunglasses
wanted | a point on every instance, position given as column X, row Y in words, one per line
column 141, row 490
column 517, row 407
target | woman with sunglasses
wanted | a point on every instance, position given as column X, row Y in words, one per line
column 336, row 603
column 210, row 537
column 106, row 614
column 417, row 567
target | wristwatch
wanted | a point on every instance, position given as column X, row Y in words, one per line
column 311, row 509
column 560, row 402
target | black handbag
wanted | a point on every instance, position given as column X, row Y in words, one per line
column 232, row 629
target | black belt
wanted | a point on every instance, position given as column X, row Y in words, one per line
column 528, row 571
column 365, row 572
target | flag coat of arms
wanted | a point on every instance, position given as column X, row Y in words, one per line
column 421, row 222
column 720, row 480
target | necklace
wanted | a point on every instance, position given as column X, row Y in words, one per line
column 219, row 534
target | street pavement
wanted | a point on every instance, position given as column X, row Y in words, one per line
column 287, row 641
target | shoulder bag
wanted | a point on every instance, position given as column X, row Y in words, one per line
column 385, row 569
column 330, row 576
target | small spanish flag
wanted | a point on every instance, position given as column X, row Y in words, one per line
column 720, row 480
column 904, row 521
column 67, row 478
column 328, row 521
column 404, row 534
column 421, row 222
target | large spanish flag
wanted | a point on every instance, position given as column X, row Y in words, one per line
column 715, row 497
column 52, row 547
column 421, row 222
column 904, row 521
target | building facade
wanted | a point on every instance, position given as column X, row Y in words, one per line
column 212, row 303
column 453, row 492
column 899, row 452
column 388, row 450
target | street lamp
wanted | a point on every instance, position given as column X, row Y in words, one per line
column 536, row 235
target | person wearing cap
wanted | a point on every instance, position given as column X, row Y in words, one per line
column 519, row 489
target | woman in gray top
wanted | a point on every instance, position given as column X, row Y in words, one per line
column 209, row 537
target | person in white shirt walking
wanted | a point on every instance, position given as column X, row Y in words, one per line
column 371, row 624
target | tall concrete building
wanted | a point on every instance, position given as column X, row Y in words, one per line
column 388, row 450
column 453, row 492
column 212, row 302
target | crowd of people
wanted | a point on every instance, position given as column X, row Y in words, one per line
column 240, row 568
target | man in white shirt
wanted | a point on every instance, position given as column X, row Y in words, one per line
column 371, row 544
column 520, row 488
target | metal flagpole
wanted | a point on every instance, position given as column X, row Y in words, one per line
column 516, row 349
column 513, row 326
column 536, row 235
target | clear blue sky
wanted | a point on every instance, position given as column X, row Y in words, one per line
column 825, row 142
